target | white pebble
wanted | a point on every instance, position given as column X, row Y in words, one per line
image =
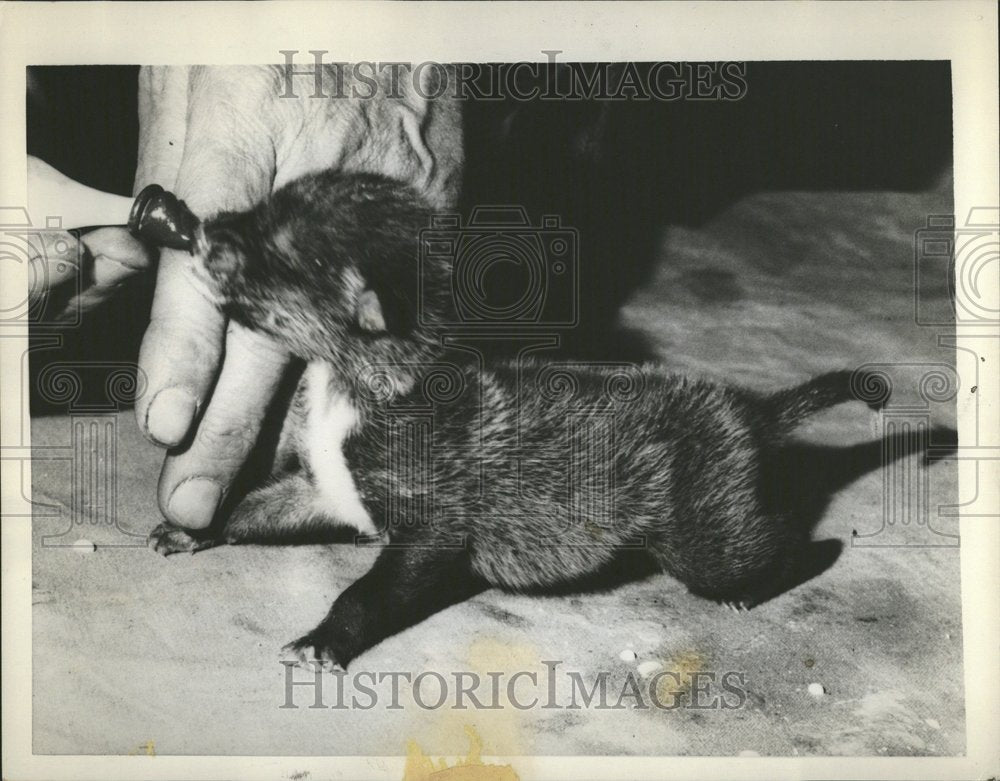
column 648, row 668
column 933, row 723
column 84, row 546
column 817, row 689
column 628, row 655
column 748, row 753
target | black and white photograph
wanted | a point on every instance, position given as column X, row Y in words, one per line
column 500, row 397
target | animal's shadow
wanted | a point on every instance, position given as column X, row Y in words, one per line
column 797, row 481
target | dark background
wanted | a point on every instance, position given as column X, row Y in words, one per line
column 618, row 171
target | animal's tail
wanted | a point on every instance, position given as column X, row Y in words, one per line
column 786, row 409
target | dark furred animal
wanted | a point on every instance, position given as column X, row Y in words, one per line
column 523, row 474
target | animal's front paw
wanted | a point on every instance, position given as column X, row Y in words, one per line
column 167, row 538
column 312, row 649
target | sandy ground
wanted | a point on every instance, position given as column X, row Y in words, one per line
column 133, row 652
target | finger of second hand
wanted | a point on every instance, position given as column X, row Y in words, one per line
column 53, row 258
column 117, row 255
column 194, row 482
column 100, row 261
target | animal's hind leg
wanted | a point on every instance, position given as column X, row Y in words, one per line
column 741, row 597
column 276, row 512
column 740, row 558
column 405, row 586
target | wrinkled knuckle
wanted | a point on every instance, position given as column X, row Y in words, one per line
column 227, row 439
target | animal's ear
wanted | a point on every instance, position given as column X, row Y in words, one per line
column 385, row 304
column 223, row 245
column 369, row 312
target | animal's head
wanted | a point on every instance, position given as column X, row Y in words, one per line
column 330, row 267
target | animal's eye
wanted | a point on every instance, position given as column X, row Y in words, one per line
column 223, row 236
column 224, row 259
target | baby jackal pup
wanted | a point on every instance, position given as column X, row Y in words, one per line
column 524, row 475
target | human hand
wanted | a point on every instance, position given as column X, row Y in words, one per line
column 222, row 138
column 101, row 261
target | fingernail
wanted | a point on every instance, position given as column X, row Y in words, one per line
column 169, row 416
column 194, row 502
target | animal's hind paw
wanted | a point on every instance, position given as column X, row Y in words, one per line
column 166, row 539
column 309, row 651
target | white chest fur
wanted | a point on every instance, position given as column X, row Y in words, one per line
column 330, row 420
